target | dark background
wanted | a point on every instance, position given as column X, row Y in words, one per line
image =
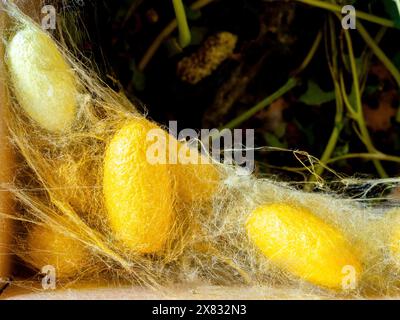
column 273, row 39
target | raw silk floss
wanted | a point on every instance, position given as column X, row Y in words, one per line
column 92, row 206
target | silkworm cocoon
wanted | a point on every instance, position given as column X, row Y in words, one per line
column 46, row 247
column 395, row 244
column 303, row 244
column 194, row 175
column 138, row 194
column 394, row 237
column 43, row 82
column 196, row 181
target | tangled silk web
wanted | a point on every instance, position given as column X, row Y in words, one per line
column 59, row 191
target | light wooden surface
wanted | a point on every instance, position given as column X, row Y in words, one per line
column 193, row 292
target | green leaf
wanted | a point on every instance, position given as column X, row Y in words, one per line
column 138, row 77
column 173, row 47
column 392, row 7
column 315, row 96
column 192, row 14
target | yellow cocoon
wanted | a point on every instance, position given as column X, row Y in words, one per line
column 197, row 181
column 44, row 84
column 394, row 237
column 296, row 240
column 66, row 255
column 138, row 195
column 395, row 245
column 195, row 177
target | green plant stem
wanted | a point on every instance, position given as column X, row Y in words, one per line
column 290, row 84
column 183, row 26
column 311, row 53
column 368, row 54
column 360, row 14
column 379, row 53
column 134, row 5
column 165, row 33
column 369, row 156
column 359, row 113
column 352, row 113
column 338, row 122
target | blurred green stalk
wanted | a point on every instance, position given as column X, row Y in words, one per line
column 184, row 32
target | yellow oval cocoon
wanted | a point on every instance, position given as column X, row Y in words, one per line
column 393, row 219
column 197, row 181
column 395, row 245
column 303, row 244
column 138, row 195
column 43, row 82
column 66, row 255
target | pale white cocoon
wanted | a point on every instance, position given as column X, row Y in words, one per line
column 43, row 82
